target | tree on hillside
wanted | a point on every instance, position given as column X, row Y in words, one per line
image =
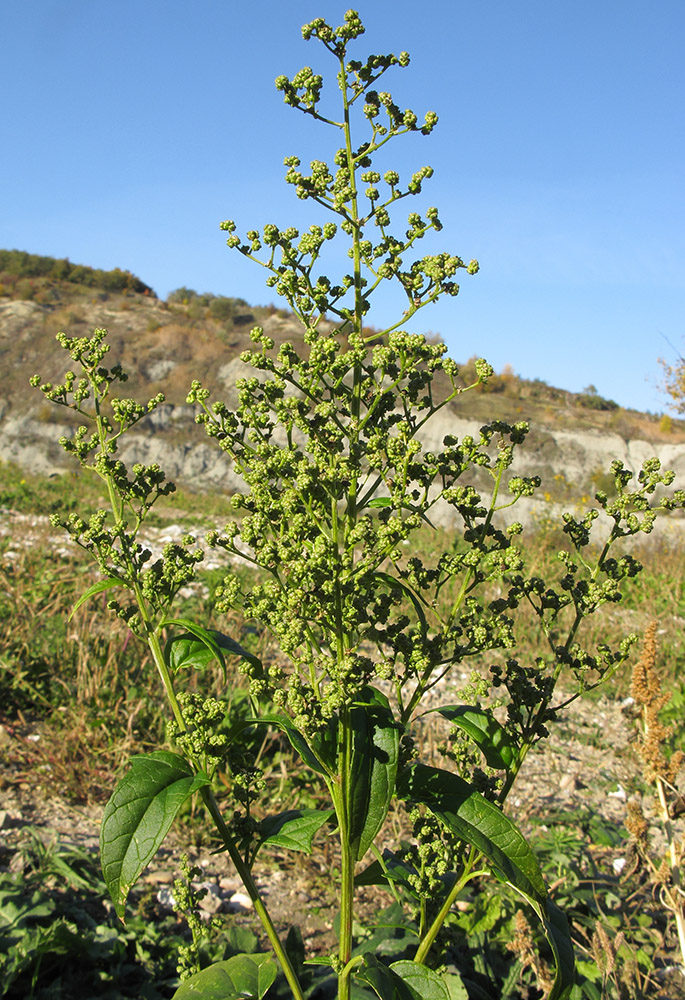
column 674, row 383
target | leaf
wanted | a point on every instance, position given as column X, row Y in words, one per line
column 558, row 935
column 97, row 588
column 321, row 756
column 423, row 982
column 491, row 739
column 392, row 581
column 138, row 816
column 380, row 502
column 189, row 654
column 242, row 977
column 294, row 829
column 455, row 986
column 383, row 981
column 392, row 869
column 373, row 768
column 479, row 822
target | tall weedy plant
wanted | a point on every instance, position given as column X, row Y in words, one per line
column 338, row 487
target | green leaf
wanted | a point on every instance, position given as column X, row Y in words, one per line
column 320, row 756
column 294, row 829
column 491, row 739
column 138, row 816
column 558, row 935
column 373, row 768
column 385, row 983
column 455, row 986
column 97, row 588
column 479, row 822
column 424, row 982
column 242, row 977
column 392, row 581
column 406, row 980
column 380, row 502
column 392, row 869
column 187, row 650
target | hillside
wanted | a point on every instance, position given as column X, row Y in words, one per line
column 166, row 344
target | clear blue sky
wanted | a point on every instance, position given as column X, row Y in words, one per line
column 131, row 129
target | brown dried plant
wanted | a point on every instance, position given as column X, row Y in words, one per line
column 660, row 771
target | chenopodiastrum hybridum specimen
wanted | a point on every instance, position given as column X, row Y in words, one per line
column 337, row 489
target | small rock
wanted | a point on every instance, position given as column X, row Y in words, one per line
column 239, row 903
column 568, row 783
column 619, row 793
column 17, row 864
column 211, row 902
column 159, row 878
column 231, row 884
column 165, row 898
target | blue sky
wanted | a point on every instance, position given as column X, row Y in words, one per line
column 132, row 129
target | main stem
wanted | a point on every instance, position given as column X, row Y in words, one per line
column 344, row 806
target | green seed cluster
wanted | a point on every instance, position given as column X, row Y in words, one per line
column 433, row 856
column 186, row 904
column 111, row 537
column 202, row 739
column 292, row 258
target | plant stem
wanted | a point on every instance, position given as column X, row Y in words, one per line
column 434, row 929
column 252, row 891
column 676, row 899
column 347, row 860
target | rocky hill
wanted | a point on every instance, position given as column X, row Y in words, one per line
column 166, row 344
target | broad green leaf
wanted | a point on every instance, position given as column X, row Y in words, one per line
column 390, row 870
column 294, row 829
column 558, row 935
column 380, row 502
column 423, row 982
column 138, row 816
column 491, row 739
column 385, row 983
column 243, row 977
column 479, row 822
column 97, row 588
column 214, row 642
column 455, row 986
column 373, row 768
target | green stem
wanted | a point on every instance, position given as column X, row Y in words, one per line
column 434, row 929
column 347, row 860
column 252, row 891
column 207, row 794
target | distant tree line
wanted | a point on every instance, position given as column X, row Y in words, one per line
column 30, row 265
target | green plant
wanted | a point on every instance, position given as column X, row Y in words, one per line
column 337, row 486
column 58, row 940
